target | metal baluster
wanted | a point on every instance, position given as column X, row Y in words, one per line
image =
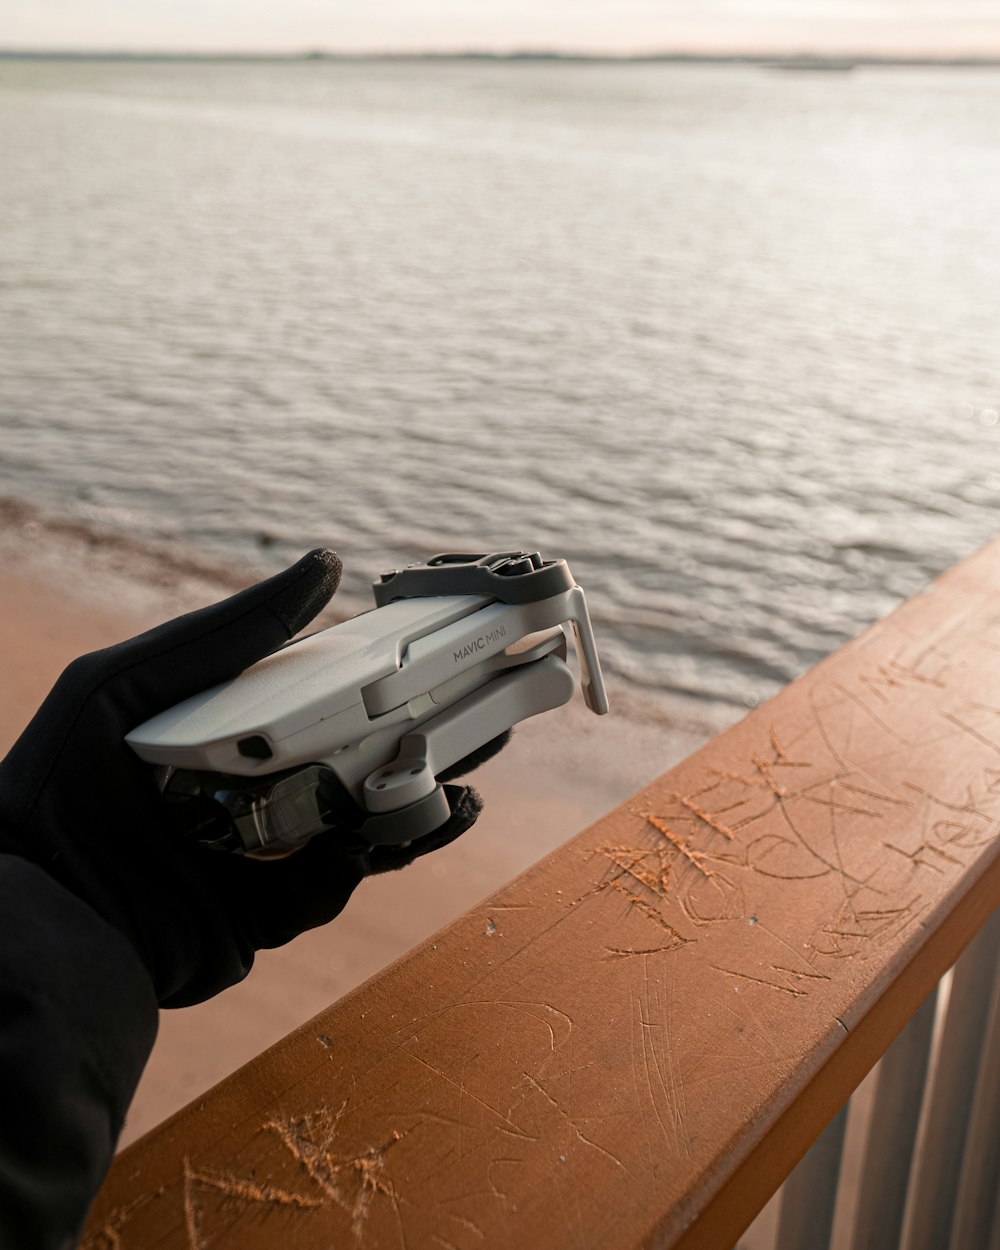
column 977, row 1189
column 809, row 1195
column 943, row 1134
column 995, row 1239
column 892, row 1134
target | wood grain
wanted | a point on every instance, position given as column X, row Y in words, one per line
column 634, row 1042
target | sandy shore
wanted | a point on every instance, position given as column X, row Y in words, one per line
column 560, row 773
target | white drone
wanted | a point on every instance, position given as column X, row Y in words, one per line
column 367, row 714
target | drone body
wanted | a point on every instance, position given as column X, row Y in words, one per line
column 457, row 651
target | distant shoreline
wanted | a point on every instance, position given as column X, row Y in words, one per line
column 771, row 60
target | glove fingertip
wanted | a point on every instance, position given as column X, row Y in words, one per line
column 466, row 804
column 314, row 579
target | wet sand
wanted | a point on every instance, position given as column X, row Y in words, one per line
column 560, row 772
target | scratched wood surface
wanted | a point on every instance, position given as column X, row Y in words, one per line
column 633, row 1043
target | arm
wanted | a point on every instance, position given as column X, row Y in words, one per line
column 77, row 1021
column 106, row 913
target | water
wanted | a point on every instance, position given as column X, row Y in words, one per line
column 725, row 338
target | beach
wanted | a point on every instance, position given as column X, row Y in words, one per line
column 66, row 591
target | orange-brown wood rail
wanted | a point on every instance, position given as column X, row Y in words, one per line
column 633, row 1043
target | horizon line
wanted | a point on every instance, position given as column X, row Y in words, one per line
column 955, row 59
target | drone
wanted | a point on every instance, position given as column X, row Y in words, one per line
column 351, row 727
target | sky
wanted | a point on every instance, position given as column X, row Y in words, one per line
column 618, row 26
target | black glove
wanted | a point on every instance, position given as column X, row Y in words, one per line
column 77, row 801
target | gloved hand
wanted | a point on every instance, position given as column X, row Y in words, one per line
column 77, row 801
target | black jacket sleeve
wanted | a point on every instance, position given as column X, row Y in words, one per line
column 105, row 910
column 78, row 1018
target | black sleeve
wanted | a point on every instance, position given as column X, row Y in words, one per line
column 78, row 1018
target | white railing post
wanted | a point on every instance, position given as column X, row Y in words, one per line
column 934, row 1187
column 899, row 1091
column 809, row 1196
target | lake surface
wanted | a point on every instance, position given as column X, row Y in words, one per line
column 724, row 337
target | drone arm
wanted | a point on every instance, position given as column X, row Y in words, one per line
column 441, row 741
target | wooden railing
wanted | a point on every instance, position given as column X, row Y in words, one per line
column 635, row 1042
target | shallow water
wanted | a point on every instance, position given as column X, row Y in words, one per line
column 725, row 338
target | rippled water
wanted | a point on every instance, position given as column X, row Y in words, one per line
column 724, row 337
